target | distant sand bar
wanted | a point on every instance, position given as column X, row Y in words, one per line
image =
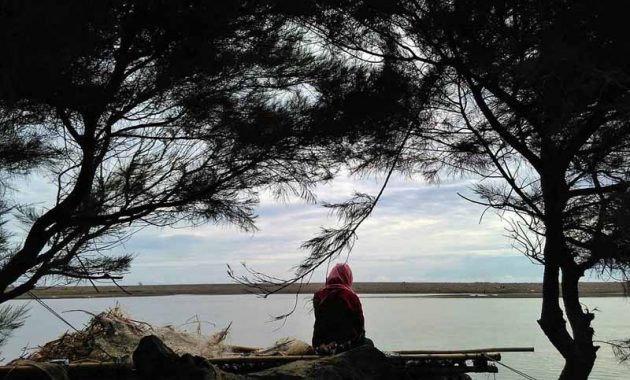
column 437, row 289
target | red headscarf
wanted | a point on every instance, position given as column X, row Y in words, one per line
column 340, row 275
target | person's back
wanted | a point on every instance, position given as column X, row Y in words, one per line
column 339, row 323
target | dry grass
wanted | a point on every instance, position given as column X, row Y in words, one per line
column 113, row 336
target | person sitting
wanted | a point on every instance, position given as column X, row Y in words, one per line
column 339, row 322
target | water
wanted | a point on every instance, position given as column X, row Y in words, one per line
column 393, row 322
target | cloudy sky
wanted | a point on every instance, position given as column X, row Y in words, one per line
column 419, row 232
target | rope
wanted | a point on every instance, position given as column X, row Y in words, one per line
column 518, row 372
column 53, row 312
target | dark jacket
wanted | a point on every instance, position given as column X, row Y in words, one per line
column 338, row 311
column 338, row 316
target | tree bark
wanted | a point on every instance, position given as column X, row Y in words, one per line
column 576, row 349
column 581, row 358
column 552, row 320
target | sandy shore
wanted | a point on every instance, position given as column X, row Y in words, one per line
column 437, row 289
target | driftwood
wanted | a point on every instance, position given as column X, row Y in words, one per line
column 243, row 349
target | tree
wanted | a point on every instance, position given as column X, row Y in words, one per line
column 532, row 97
column 150, row 113
column 11, row 317
column 19, row 153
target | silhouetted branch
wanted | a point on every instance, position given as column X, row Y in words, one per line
column 329, row 244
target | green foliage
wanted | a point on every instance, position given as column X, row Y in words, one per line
column 11, row 318
column 158, row 113
column 529, row 97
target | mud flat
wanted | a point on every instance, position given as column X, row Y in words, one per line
column 428, row 289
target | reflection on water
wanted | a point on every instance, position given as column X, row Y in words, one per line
column 394, row 322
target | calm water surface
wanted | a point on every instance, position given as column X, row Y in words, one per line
column 393, row 322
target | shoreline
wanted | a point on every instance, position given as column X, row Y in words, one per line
column 479, row 290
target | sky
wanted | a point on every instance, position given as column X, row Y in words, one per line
column 418, row 232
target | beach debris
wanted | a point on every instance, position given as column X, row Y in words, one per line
column 113, row 335
column 107, row 336
column 287, row 347
column 218, row 337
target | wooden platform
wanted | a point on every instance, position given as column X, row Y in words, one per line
column 419, row 364
column 415, row 364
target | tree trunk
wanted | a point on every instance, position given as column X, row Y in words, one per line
column 577, row 350
column 552, row 320
column 581, row 358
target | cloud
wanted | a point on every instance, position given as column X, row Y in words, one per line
column 418, row 232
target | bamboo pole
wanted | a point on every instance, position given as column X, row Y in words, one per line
column 244, row 349
column 261, row 359
column 469, row 351
column 290, row 358
column 458, row 356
